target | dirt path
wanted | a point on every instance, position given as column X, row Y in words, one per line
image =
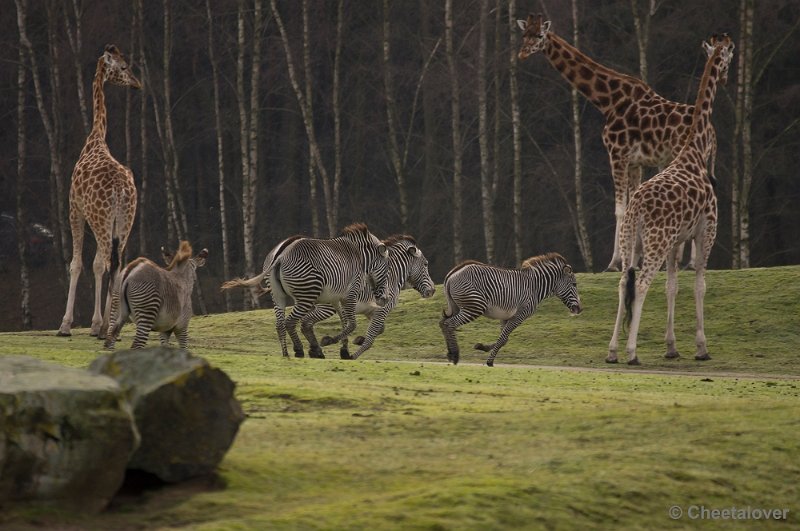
column 611, row 370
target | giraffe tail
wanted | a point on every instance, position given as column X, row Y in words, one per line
column 630, row 296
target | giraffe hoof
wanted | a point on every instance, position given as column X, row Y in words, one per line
column 359, row 340
column 702, row 357
column 634, row 361
column 61, row 333
column 611, row 360
column 672, row 355
column 611, row 268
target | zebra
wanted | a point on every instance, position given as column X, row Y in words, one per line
column 305, row 272
column 155, row 298
column 408, row 267
column 260, row 282
column 473, row 289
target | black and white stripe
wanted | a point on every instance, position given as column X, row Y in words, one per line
column 473, row 289
column 408, row 267
column 314, row 271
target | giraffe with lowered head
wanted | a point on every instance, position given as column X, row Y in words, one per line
column 642, row 128
column 676, row 205
column 102, row 194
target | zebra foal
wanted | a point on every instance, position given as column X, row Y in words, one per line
column 408, row 267
column 155, row 298
column 473, row 289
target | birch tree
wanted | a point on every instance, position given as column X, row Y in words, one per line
column 143, row 173
column 75, row 39
column 580, row 213
column 516, row 130
column 641, row 23
column 455, row 105
column 487, row 196
column 24, row 279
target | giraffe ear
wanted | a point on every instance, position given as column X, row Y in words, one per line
column 545, row 27
column 522, row 24
column 708, row 48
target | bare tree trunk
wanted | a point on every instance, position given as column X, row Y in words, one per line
column 308, row 118
column 391, row 113
column 455, row 104
column 22, row 221
column 516, row 126
column 76, row 45
column 642, row 26
column 487, row 200
column 312, row 174
column 337, row 113
column 59, row 225
column 250, row 199
column 226, row 270
column 582, row 234
column 746, row 65
column 498, row 101
column 143, row 174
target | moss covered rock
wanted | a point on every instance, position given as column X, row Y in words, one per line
column 66, row 435
column 185, row 410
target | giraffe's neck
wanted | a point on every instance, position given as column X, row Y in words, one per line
column 604, row 87
column 99, row 101
column 697, row 141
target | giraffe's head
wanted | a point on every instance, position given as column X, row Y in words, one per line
column 535, row 32
column 117, row 70
column 725, row 45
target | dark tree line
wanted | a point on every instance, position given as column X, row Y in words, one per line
column 265, row 118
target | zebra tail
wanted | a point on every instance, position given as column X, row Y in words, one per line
column 630, row 296
column 245, row 282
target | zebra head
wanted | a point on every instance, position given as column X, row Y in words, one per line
column 182, row 258
column 418, row 276
column 566, row 288
column 375, row 256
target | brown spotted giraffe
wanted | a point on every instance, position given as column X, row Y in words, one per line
column 102, row 194
column 676, row 205
column 642, row 128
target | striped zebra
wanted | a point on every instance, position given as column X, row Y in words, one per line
column 154, row 297
column 473, row 289
column 305, row 272
column 408, row 267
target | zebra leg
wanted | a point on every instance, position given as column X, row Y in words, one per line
column 488, row 348
column 280, row 326
column 114, row 328
column 319, row 313
column 301, row 308
column 508, row 327
column 347, row 314
column 449, row 325
column 144, row 324
column 164, row 337
column 183, row 337
column 376, row 327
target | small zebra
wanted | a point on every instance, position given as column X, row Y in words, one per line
column 304, row 272
column 473, row 289
column 154, row 297
column 408, row 267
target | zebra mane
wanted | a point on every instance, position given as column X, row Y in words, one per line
column 356, row 229
column 535, row 261
column 183, row 254
column 397, row 238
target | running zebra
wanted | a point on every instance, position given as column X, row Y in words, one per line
column 473, row 289
column 155, row 298
column 309, row 271
column 408, row 267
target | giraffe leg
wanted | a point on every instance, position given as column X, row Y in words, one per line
column 704, row 243
column 77, row 226
column 614, row 343
column 98, row 267
column 619, row 171
column 672, row 290
column 649, row 268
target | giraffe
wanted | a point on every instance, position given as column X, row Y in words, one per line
column 642, row 128
column 676, row 205
column 102, row 193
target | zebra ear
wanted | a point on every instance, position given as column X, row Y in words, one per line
column 413, row 251
column 384, row 252
column 200, row 261
column 166, row 256
column 567, row 269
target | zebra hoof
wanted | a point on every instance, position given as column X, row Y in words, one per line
column 359, row 340
column 672, row 355
column 490, row 363
column 345, row 354
column 702, row 357
column 327, row 340
column 452, row 357
column 316, row 353
column 299, row 354
column 484, row 348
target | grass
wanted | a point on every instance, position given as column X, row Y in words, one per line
column 398, row 440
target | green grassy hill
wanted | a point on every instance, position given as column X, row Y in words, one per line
column 396, row 441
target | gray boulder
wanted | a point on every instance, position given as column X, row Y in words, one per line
column 184, row 409
column 65, row 435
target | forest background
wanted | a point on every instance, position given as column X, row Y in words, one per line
column 260, row 119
